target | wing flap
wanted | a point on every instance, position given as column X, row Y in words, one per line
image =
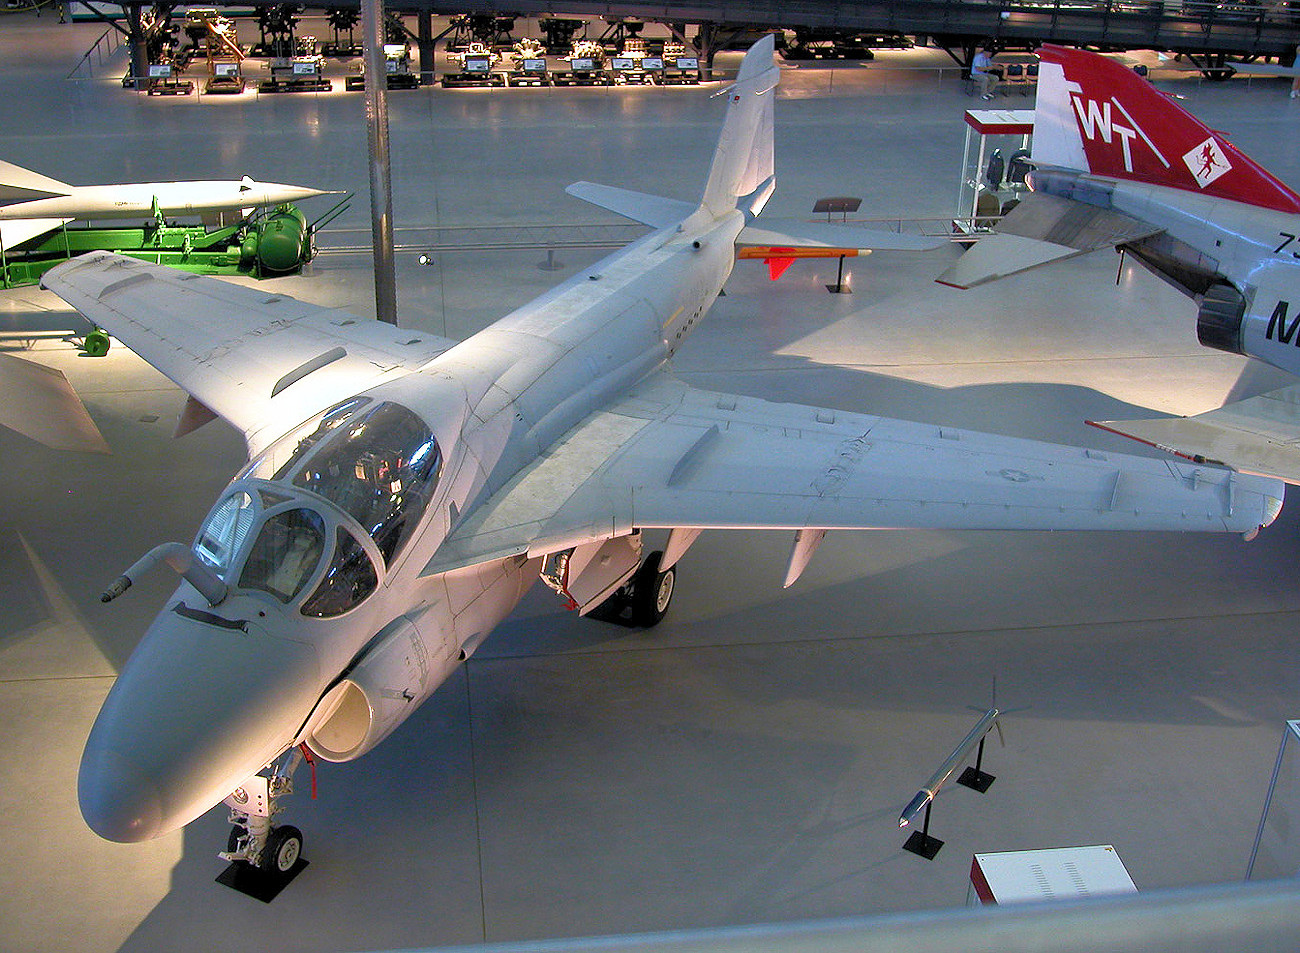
column 1041, row 229
column 247, row 353
column 671, row 456
column 1260, row 435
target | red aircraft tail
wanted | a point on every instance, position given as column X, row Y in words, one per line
column 1098, row 116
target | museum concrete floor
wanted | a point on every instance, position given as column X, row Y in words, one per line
column 746, row 760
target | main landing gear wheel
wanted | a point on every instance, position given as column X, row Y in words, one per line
column 283, row 848
column 643, row 601
column 652, row 592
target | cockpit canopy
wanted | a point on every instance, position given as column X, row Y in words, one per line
column 377, row 462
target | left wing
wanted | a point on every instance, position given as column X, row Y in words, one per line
column 248, row 354
column 672, row 456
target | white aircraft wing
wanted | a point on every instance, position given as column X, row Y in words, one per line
column 1041, row 229
column 19, row 230
column 249, row 354
column 672, row 456
column 1259, row 435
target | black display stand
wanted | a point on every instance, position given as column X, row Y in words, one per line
column 257, row 883
column 921, row 843
column 840, row 288
column 974, row 778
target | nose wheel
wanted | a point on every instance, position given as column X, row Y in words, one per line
column 264, row 857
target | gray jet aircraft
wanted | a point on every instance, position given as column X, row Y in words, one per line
column 404, row 491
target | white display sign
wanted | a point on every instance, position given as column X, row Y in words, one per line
column 478, row 65
column 688, row 62
column 584, row 64
column 226, row 69
column 623, row 62
column 157, row 71
column 652, row 63
column 535, row 66
column 304, row 69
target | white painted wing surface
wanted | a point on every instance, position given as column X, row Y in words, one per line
column 249, row 354
column 672, row 456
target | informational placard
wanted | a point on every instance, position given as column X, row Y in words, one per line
column 478, row 64
column 534, row 66
column 652, row 63
column 688, row 62
column 225, row 69
column 160, row 70
column 308, row 68
column 582, row 65
column 623, row 63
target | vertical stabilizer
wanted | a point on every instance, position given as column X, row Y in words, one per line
column 20, row 185
column 742, row 174
column 1096, row 115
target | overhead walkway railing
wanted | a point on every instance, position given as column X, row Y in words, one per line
column 1239, row 27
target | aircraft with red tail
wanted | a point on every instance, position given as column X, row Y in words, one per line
column 1117, row 163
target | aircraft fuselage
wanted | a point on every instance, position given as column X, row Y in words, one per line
column 160, row 755
column 1210, row 241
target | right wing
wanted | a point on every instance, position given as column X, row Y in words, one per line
column 671, row 456
column 1042, row 228
column 250, row 355
column 1260, row 435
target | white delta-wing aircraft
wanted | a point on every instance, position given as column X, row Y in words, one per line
column 404, row 491
column 1119, row 164
column 32, row 204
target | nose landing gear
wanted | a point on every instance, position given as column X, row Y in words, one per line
column 264, row 857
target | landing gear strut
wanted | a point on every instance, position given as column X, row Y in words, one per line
column 264, row 857
column 644, row 600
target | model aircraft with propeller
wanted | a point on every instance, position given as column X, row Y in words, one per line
column 1117, row 163
column 404, row 491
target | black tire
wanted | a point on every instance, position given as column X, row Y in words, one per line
column 282, row 850
column 652, row 592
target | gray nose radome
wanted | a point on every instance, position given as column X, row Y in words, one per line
column 117, row 801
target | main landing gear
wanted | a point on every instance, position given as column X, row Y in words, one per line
column 643, row 600
column 264, row 857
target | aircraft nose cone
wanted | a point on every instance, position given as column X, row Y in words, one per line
column 118, row 802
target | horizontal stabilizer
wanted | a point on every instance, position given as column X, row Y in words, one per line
column 15, row 233
column 1041, row 229
column 21, row 185
column 38, row 402
column 793, row 233
column 1260, row 435
column 653, row 210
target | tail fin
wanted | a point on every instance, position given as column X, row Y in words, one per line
column 20, row 185
column 1095, row 115
column 742, row 175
